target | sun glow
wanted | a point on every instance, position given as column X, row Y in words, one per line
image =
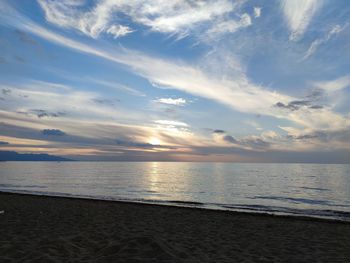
column 154, row 141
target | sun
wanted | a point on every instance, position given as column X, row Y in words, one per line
column 154, row 141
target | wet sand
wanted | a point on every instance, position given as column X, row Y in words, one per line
column 55, row 229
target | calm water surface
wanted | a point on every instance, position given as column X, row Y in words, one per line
column 295, row 189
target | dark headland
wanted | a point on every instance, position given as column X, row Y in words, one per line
column 42, row 157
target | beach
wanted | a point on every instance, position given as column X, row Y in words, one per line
column 57, row 229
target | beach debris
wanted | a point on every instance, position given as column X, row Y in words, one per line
column 2, row 212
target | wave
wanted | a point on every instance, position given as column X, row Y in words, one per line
column 276, row 210
column 300, row 200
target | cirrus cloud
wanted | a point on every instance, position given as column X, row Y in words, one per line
column 171, row 101
column 298, row 15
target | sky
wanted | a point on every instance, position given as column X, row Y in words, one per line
column 182, row 80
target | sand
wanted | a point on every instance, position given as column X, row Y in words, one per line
column 54, row 229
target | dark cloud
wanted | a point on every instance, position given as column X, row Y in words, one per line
column 316, row 107
column 235, row 154
column 297, row 104
column 230, row 139
column 44, row 113
column 304, row 137
column 325, row 136
column 219, row 150
column 226, row 154
column 315, row 94
column 255, row 143
column 2, row 60
column 133, row 144
column 25, row 38
column 75, row 141
column 107, row 149
column 293, row 105
column 4, row 143
column 310, row 101
column 105, row 101
column 280, row 105
column 53, row 132
column 219, row 131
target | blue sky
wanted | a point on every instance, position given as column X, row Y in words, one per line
column 251, row 81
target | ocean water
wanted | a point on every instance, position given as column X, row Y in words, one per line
column 314, row 190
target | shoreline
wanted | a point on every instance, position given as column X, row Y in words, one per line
column 60, row 229
column 182, row 204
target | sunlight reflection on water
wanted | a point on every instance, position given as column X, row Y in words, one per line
column 287, row 188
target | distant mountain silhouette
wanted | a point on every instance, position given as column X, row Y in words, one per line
column 15, row 156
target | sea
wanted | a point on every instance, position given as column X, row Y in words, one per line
column 304, row 190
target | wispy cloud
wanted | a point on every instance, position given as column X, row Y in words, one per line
column 320, row 41
column 298, row 15
column 174, row 17
column 254, row 124
column 52, row 100
column 116, row 85
column 333, row 85
column 230, row 26
column 171, row 123
column 119, row 30
column 171, row 101
column 238, row 92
